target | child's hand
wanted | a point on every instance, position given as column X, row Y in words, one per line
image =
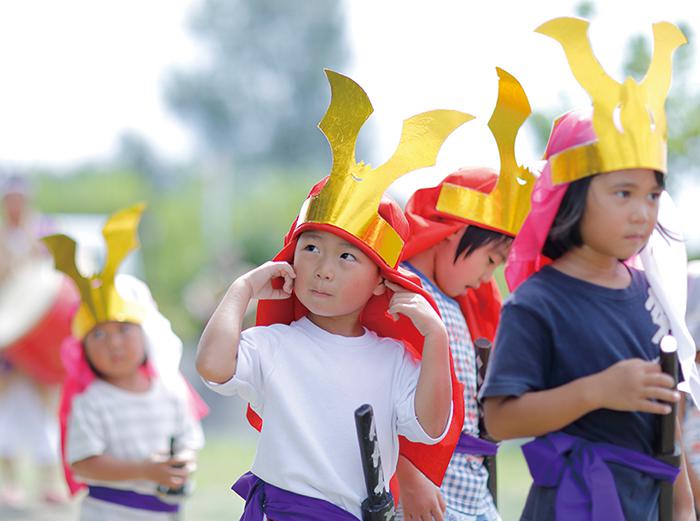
column 170, row 473
column 259, row 280
column 636, row 385
column 416, row 308
column 420, row 497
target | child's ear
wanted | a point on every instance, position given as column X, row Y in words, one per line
column 379, row 288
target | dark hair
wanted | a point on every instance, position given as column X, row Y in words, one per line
column 474, row 237
column 565, row 233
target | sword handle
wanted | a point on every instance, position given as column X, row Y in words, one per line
column 379, row 505
column 667, row 448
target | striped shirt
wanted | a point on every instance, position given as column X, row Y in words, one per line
column 465, row 484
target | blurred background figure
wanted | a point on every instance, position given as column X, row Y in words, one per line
column 690, row 415
column 28, row 381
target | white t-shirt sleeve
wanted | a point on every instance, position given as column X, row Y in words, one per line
column 405, row 392
column 85, row 433
column 255, row 356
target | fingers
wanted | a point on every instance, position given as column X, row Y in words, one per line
column 653, row 407
column 659, row 379
column 437, row 514
column 441, row 502
column 394, row 287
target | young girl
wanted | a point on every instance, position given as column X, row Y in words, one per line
column 125, row 407
column 575, row 361
column 461, row 231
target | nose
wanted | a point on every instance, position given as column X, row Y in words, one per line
column 642, row 213
column 324, row 271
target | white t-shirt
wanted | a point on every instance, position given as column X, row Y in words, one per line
column 306, row 384
column 131, row 426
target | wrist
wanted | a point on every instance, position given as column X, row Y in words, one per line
column 592, row 392
column 437, row 334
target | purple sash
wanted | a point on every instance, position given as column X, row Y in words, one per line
column 578, row 468
column 283, row 505
column 131, row 499
column 475, row 446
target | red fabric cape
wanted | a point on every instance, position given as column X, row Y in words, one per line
column 432, row 460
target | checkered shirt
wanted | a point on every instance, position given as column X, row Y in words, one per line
column 465, row 484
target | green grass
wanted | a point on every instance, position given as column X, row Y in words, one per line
column 224, row 460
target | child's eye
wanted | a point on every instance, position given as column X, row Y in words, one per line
column 491, row 261
column 311, row 247
column 624, row 194
column 655, row 196
column 348, row 256
column 125, row 327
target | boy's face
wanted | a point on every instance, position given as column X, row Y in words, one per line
column 116, row 349
column 333, row 277
column 454, row 278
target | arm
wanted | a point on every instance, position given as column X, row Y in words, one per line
column 420, row 497
column 108, row 468
column 217, row 351
column 629, row 385
column 433, row 401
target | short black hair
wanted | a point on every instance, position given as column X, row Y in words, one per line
column 474, row 237
column 565, row 233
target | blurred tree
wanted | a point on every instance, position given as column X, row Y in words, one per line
column 262, row 86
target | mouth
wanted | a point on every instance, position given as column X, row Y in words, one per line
column 319, row 293
column 635, row 237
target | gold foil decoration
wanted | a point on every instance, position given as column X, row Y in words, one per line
column 100, row 301
column 628, row 118
column 350, row 199
column 503, row 209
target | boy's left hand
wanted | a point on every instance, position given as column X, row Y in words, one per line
column 416, row 308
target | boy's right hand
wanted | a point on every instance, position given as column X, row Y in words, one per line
column 259, row 281
column 635, row 385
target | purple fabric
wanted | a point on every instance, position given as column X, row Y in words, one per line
column 283, row 505
column 131, row 499
column 578, row 468
column 475, row 446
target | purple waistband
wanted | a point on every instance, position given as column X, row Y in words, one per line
column 283, row 505
column 475, row 446
column 131, row 499
column 579, row 470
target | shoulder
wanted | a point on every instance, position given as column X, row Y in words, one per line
column 537, row 291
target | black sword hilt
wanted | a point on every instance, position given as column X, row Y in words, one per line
column 483, row 352
column 379, row 505
column 667, row 448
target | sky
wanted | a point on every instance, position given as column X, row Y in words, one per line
column 78, row 73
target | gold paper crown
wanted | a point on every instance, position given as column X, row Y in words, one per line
column 628, row 118
column 503, row 209
column 351, row 196
column 100, row 301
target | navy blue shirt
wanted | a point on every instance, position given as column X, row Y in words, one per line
column 556, row 328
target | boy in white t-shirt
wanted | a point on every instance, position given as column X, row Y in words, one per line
column 317, row 354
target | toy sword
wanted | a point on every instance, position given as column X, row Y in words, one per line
column 483, row 351
column 668, row 450
column 379, row 505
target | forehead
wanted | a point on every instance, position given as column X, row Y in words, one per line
column 634, row 178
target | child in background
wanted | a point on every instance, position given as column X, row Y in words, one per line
column 576, row 355
column 125, row 407
column 461, row 231
column 341, row 328
column 688, row 413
